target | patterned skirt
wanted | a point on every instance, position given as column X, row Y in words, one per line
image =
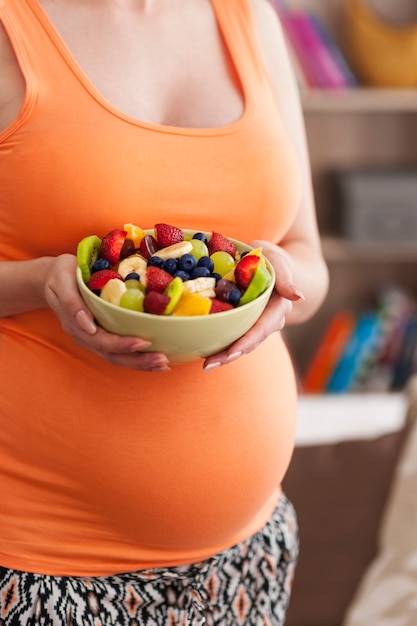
column 248, row 584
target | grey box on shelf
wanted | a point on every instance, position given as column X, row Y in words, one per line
column 376, row 205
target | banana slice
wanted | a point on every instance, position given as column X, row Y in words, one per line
column 175, row 251
column 134, row 263
column 113, row 291
column 207, row 293
column 197, row 285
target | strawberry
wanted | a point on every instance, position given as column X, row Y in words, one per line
column 112, row 244
column 217, row 306
column 157, row 279
column 155, row 302
column 220, row 243
column 245, row 270
column 100, row 278
column 166, row 235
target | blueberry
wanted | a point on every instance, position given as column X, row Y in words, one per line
column 187, row 262
column 216, row 276
column 132, row 276
column 205, row 261
column 200, row 236
column 234, row 297
column 200, row 272
column 100, row 264
column 183, row 275
column 170, row 266
column 155, row 261
column 244, row 253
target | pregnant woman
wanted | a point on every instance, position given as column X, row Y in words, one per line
column 135, row 492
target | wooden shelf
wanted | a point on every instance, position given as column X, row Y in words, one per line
column 339, row 250
column 360, row 100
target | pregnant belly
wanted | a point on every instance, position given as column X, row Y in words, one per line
column 190, row 486
column 129, row 471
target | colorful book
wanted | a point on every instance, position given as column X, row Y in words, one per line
column 328, row 352
column 396, row 308
column 334, row 50
column 375, row 350
column 404, row 365
column 314, row 51
column 327, row 72
column 362, row 342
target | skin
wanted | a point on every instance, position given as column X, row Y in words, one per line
column 173, row 93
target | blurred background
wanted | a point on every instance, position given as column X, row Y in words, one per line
column 353, row 478
column 356, row 65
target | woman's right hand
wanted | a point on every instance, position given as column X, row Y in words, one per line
column 62, row 296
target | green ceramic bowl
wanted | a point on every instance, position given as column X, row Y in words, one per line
column 183, row 339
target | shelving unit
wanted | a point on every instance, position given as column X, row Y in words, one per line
column 360, row 127
column 360, row 100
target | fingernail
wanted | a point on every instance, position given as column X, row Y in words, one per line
column 85, row 322
column 211, row 366
column 234, row 355
column 297, row 292
column 160, row 368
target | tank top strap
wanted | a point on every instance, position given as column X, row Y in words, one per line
column 236, row 20
column 22, row 21
column 38, row 53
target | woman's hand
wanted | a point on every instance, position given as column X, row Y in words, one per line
column 275, row 313
column 62, row 296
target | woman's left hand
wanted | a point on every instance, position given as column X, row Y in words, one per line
column 275, row 313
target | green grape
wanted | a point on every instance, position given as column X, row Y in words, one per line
column 199, row 248
column 132, row 299
column 133, row 283
column 223, row 262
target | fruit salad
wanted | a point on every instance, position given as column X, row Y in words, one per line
column 169, row 271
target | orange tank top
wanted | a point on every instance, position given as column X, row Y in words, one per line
column 102, row 469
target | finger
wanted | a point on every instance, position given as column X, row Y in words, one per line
column 85, row 321
column 107, row 343
column 284, row 284
column 280, row 260
column 272, row 320
column 144, row 361
column 289, row 291
column 67, row 303
column 125, row 351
